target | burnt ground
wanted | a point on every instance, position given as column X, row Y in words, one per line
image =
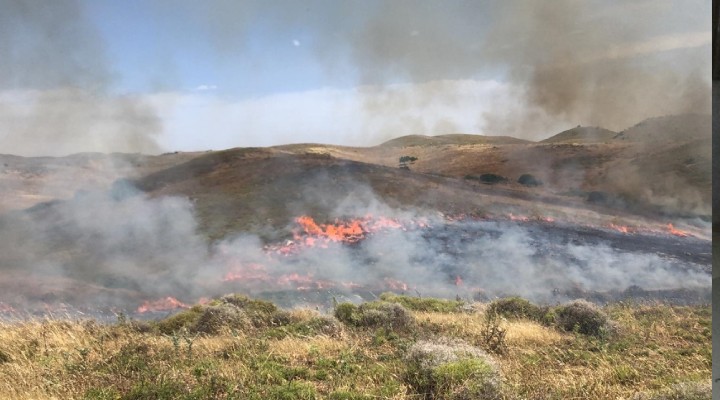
column 557, row 262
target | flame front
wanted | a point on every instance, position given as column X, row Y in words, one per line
column 166, row 304
column 676, row 232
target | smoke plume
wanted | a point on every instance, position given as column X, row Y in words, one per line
column 119, row 248
column 56, row 86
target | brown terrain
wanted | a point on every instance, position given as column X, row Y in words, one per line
column 646, row 176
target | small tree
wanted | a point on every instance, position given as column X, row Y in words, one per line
column 406, row 161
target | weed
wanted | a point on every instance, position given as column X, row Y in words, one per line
column 493, row 334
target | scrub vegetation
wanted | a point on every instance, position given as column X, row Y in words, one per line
column 398, row 347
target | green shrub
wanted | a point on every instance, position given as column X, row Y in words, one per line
column 470, row 378
column 517, row 308
column 183, row 319
column 583, row 317
column 380, row 314
column 347, row 313
column 452, row 370
column 529, row 180
column 424, row 304
column 375, row 314
column 260, row 312
column 218, row 317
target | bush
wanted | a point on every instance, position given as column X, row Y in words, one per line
column 215, row 318
column 583, row 317
column 452, row 370
column 424, row 304
column 182, row 320
column 385, row 315
column 488, row 179
column 529, row 180
column 376, row 314
column 347, row 313
column 517, row 308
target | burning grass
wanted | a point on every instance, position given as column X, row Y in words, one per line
column 656, row 351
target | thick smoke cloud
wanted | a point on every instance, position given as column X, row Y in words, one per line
column 122, row 247
column 605, row 63
column 55, row 86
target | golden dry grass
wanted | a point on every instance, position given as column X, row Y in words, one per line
column 655, row 347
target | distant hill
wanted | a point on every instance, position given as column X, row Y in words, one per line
column 670, row 128
column 456, row 139
column 582, row 134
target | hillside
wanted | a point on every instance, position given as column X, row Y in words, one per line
column 582, row 134
column 305, row 223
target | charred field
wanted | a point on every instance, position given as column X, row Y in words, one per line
column 121, row 264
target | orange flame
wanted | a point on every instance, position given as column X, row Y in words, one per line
column 166, row 304
column 620, row 228
column 395, row 284
column 458, row 281
column 676, row 232
column 521, row 218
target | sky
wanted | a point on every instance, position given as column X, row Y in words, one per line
column 159, row 75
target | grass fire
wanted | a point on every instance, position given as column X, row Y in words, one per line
column 355, row 200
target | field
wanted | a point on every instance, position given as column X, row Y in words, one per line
column 399, row 347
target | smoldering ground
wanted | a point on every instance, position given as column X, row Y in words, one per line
column 119, row 248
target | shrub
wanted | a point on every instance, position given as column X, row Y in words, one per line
column 183, row 319
column 376, row 314
column 517, row 308
column 488, row 179
column 583, row 317
column 452, row 370
column 346, row 313
column 424, row 304
column 215, row 318
column 529, row 180
column 385, row 315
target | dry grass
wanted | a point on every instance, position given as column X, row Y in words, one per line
column 656, row 347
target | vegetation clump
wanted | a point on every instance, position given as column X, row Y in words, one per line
column 447, row 369
column 182, row 320
column 529, row 180
column 427, row 304
column 583, row 317
column 305, row 354
column 214, row 318
column 488, row 179
column 375, row 314
column 518, row 308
